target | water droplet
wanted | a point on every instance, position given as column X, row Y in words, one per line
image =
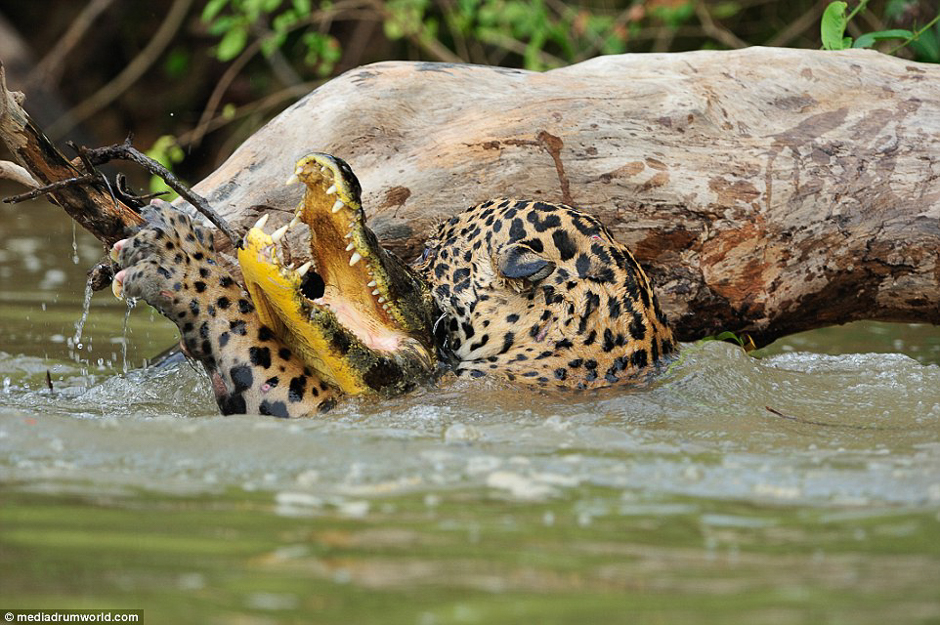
column 80, row 324
column 131, row 302
column 75, row 258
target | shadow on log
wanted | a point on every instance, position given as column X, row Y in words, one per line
column 766, row 191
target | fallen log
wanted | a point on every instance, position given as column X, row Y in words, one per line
column 766, row 191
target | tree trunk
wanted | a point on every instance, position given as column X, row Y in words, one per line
column 766, row 191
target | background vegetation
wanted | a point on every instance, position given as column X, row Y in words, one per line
column 193, row 78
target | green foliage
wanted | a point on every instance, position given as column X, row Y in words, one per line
column 832, row 27
column 868, row 39
column 674, row 15
column 726, row 336
column 236, row 21
column 168, row 153
column 724, row 10
column 177, row 63
column 925, row 42
column 534, row 34
column 542, row 33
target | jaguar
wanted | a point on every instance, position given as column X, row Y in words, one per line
column 536, row 293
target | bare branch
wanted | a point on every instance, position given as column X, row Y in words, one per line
column 49, row 69
column 49, row 188
column 214, row 123
column 127, row 152
column 206, row 119
column 716, row 31
column 220, row 88
column 797, row 27
column 131, row 73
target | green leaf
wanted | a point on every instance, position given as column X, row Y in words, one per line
column 832, row 26
column 213, row 8
column 272, row 42
column 868, row 39
column 927, row 46
column 221, row 25
column 167, row 152
column 177, row 61
column 232, row 43
column 724, row 10
column 674, row 15
column 281, row 23
column 302, row 7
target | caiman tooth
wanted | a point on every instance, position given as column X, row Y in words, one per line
column 348, row 235
column 260, row 223
column 373, row 284
column 375, row 292
column 355, row 258
column 303, row 269
column 331, row 190
column 381, row 300
column 350, row 247
column 294, row 221
column 278, row 234
column 292, row 180
column 337, row 205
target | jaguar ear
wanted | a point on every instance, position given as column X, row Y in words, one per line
column 519, row 261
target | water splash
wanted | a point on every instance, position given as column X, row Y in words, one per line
column 131, row 303
column 75, row 258
column 80, row 324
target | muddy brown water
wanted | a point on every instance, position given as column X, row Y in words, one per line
column 798, row 486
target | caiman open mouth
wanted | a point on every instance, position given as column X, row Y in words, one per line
column 354, row 312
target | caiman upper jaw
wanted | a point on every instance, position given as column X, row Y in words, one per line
column 365, row 323
column 332, row 209
column 317, row 168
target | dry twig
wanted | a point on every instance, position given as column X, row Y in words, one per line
column 49, row 188
column 716, row 31
column 127, row 152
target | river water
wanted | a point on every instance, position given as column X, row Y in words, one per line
column 797, row 485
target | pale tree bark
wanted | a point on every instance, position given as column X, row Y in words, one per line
column 765, row 191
